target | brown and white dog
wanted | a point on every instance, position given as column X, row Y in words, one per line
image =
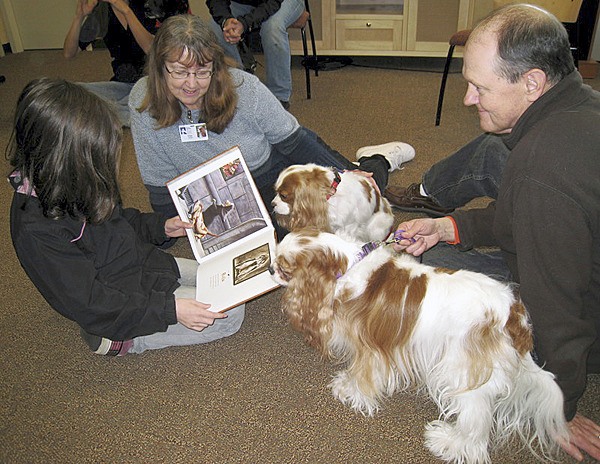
column 345, row 203
column 395, row 324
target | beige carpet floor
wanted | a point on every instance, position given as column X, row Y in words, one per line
column 259, row 396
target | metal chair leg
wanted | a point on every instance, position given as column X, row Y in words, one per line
column 305, row 62
column 438, row 114
column 315, row 60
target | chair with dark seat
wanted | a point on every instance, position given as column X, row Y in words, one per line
column 565, row 10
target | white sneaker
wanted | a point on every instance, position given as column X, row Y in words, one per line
column 395, row 153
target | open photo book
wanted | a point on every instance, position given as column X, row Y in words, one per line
column 233, row 238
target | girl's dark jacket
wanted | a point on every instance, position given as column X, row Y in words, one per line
column 110, row 278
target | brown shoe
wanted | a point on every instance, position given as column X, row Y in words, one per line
column 410, row 199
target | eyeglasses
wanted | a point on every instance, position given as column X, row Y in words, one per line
column 181, row 75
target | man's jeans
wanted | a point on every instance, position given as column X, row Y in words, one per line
column 474, row 171
column 490, row 263
column 275, row 43
column 115, row 93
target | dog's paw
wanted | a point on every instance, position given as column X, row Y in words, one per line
column 345, row 389
column 447, row 443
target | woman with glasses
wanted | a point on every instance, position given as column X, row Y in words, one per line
column 192, row 83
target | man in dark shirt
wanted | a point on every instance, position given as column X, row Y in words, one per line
column 546, row 217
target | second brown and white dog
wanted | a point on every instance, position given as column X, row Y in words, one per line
column 395, row 324
column 345, row 203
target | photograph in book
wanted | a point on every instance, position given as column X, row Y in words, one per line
column 233, row 238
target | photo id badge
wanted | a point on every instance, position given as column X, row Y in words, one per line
column 193, row 132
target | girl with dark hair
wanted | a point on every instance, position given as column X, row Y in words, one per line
column 94, row 261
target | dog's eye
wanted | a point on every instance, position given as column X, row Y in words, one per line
column 282, row 271
column 283, row 196
column 285, row 276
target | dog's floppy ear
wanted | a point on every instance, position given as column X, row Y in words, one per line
column 310, row 207
column 309, row 299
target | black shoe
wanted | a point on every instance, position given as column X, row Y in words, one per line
column 410, row 199
column 104, row 346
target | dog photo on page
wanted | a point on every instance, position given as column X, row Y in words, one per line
column 345, row 203
column 395, row 324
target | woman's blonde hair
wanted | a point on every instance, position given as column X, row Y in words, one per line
column 190, row 36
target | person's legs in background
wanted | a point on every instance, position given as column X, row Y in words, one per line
column 275, row 43
column 276, row 47
column 115, row 93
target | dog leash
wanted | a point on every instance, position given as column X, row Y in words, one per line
column 372, row 246
column 369, row 247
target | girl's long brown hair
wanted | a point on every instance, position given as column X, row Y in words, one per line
column 67, row 143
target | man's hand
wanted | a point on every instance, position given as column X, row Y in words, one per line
column 233, row 31
column 584, row 435
column 426, row 233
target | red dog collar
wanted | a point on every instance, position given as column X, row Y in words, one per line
column 334, row 184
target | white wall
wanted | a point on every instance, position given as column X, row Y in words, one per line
column 199, row 8
column 43, row 24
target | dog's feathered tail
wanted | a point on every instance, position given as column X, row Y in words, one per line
column 533, row 410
